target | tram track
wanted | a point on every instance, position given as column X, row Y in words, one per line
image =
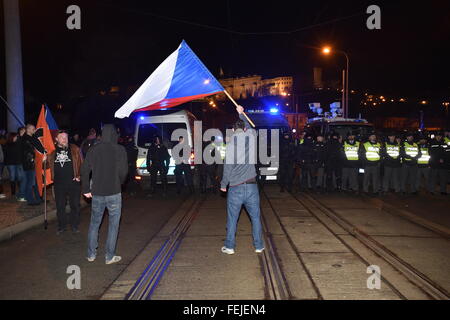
column 149, row 279
column 419, row 279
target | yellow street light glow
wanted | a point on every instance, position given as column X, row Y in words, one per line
column 326, row 50
column 423, row 102
column 211, row 103
column 402, row 100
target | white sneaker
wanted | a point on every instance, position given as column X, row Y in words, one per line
column 227, row 250
column 259, row 250
column 114, row 260
column 2, row 196
column 91, row 259
column 21, row 200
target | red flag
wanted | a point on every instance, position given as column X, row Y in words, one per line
column 45, row 137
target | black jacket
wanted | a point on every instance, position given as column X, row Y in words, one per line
column 334, row 152
column 107, row 160
column 29, row 144
column 13, row 153
column 287, row 151
column 439, row 154
column 158, row 155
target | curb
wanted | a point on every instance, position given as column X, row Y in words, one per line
column 9, row 232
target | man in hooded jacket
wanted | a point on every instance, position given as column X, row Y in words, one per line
column 107, row 160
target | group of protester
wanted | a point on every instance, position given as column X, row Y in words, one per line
column 400, row 162
column 96, row 167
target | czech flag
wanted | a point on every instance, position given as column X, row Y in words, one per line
column 46, row 125
column 181, row 78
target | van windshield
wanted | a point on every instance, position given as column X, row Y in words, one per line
column 344, row 129
column 148, row 131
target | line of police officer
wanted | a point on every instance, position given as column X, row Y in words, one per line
column 393, row 162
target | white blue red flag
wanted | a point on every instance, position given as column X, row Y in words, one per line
column 182, row 77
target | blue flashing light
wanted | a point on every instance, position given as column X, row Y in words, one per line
column 273, row 110
column 141, row 117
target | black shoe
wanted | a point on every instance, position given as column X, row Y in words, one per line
column 75, row 230
column 34, row 203
column 444, row 193
column 60, row 231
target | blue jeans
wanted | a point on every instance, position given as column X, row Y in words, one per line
column 247, row 195
column 114, row 205
column 15, row 172
column 29, row 182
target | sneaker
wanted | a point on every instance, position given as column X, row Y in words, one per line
column 60, row 232
column 227, row 250
column 259, row 250
column 114, row 260
column 2, row 196
column 21, row 200
column 90, row 259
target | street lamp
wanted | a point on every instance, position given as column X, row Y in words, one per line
column 327, row 50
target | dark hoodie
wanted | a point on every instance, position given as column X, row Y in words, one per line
column 107, row 160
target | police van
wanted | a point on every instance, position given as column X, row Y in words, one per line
column 342, row 126
column 160, row 123
column 269, row 119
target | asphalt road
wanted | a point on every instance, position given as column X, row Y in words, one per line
column 34, row 264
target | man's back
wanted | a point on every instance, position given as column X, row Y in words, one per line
column 108, row 162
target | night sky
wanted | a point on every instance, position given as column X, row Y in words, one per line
column 122, row 42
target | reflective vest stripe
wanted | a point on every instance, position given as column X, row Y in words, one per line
column 393, row 150
column 351, row 151
column 411, row 150
column 372, row 151
column 425, row 158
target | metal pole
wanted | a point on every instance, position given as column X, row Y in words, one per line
column 13, row 64
column 45, row 196
column 343, row 93
column 346, row 86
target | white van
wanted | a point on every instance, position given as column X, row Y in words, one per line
column 163, row 124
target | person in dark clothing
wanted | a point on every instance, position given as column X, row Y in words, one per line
column 13, row 162
column 132, row 154
column 390, row 153
column 158, row 159
column 423, row 164
column 30, row 143
column 439, row 163
column 351, row 163
column 209, row 170
column 65, row 164
column 87, row 143
column 333, row 165
column 319, row 157
column 410, row 153
column 107, row 160
column 287, row 160
column 183, row 173
column 305, row 158
column 76, row 140
column 370, row 155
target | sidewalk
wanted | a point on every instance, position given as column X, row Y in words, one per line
column 16, row 217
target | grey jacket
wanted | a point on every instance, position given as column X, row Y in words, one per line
column 240, row 157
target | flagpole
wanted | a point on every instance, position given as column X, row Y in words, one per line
column 45, row 195
column 235, row 103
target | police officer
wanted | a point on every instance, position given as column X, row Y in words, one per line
column 333, row 166
column 439, row 163
column 447, row 137
column 209, row 170
column 287, row 160
column 423, row 163
column 305, row 158
column 351, row 163
column 183, row 173
column 370, row 154
column 319, row 153
column 158, row 160
column 392, row 164
column 409, row 153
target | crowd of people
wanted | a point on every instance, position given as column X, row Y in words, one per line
column 397, row 162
